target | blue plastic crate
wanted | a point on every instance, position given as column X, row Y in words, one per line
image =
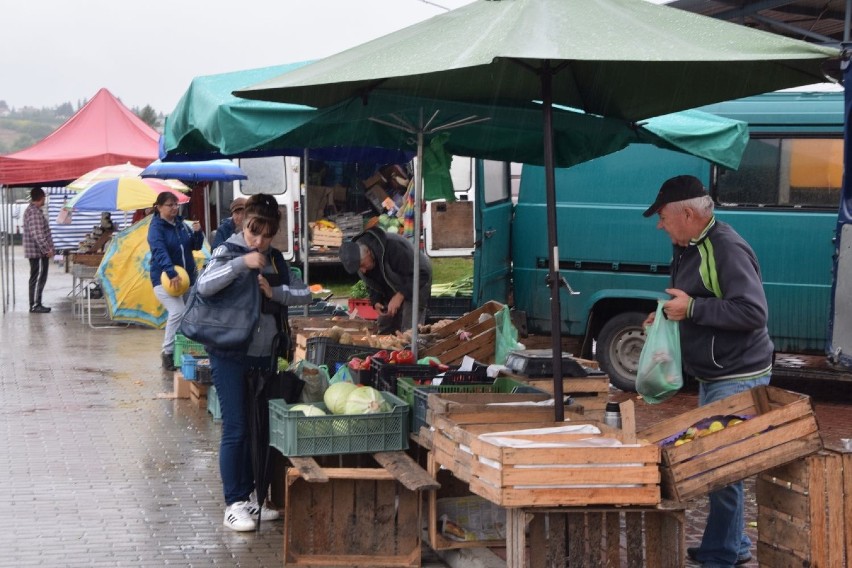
column 196, row 369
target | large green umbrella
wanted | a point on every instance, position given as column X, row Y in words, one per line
column 620, row 58
column 210, row 122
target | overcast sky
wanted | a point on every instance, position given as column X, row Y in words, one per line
column 57, row 51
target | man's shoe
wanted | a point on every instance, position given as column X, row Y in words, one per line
column 39, row 309
column 266, row 514
column 168, row 360
column 237, row 517
column 692, row 553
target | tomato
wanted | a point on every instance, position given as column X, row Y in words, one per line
column 355, row 363
column 366, row 364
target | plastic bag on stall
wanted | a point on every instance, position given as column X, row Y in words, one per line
column 315, row 379
column 507, row 336
column 342, row 375
column 660, row 375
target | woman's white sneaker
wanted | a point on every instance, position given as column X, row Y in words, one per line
column 237, row 517
column 266, row 514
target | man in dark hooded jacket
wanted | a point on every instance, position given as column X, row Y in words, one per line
column 385, row 263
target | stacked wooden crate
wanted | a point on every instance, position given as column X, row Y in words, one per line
column 805, row 511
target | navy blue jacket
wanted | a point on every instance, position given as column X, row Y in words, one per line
column 724, row 335
column 224, row 232
column 172, row 245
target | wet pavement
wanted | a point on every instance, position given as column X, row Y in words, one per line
column 101, row 469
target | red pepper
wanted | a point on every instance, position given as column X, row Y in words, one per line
column 405, row 357
column 366, row 364
column 383, row 355
column 355, row 364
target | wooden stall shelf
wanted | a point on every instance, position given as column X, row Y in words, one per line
column 805, row 511
column 451, row 486
column 781, row 427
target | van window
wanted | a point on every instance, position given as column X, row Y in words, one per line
column 265, row 175
column 784, row 172
column 461, row 172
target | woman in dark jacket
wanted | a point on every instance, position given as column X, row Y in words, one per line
column 245, row 251
column 171, row 242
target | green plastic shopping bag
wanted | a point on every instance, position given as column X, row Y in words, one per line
column 660, row 375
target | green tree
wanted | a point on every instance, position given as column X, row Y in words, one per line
column 148, row 115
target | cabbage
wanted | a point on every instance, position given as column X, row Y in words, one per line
column 335, row 396
column 308, row 409
column 365, row 400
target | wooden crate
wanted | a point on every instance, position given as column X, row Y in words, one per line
column 564, row 473
column 450, row 349
column 782, row 428
column 479, row 408
column 198, row 394
column 451, row 442
column 589, row 394
column 591, row 537
column 358, row 517
column 325, row 236
column 805, row 512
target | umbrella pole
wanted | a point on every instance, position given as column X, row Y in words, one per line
column 418, row 190
column 552, row 241
column 304, row 214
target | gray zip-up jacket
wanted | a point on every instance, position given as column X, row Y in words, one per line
column 724, row 335
column 222, row 270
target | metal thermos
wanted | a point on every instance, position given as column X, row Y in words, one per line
column 612, row 415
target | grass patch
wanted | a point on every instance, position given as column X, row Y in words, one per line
column 339, row 281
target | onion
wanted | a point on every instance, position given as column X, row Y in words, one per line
column 365, row 400
column 335, row 396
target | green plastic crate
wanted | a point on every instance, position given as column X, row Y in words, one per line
column 418, row 395
column 294, row 434
column 213, row 403
column 188, row 346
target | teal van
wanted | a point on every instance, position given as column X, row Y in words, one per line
column 783, row 200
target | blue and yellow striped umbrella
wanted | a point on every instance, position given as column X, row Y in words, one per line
column 123, row 194
column 124, row 277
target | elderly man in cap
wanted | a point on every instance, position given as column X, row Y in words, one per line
column 718, row 299
column 232, row 224
column 385, row 263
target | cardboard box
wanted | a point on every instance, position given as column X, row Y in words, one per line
column 781, row 427
column 375, row 179
column 376, row 195
column 319, row 197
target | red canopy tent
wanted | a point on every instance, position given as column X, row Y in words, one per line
column 104, row 132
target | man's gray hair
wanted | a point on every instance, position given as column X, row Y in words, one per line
column 703, row 205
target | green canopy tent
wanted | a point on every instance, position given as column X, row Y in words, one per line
column 210, row 122
column 627, row 59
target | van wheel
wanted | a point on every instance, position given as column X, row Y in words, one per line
column 618, row 347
